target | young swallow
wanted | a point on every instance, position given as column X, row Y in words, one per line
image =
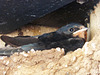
column 69, row 37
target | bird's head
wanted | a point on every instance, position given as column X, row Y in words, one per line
column 74, row 29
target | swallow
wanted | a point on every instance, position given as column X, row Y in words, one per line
column 69, row 37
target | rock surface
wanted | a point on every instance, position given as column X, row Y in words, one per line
column 14, row 14
column 95, row 21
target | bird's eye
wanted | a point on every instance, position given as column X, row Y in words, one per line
column 71, row 29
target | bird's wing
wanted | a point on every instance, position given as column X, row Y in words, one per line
column 68, row 44
column 20, row 40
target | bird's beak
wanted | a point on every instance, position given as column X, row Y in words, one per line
column 82, row 33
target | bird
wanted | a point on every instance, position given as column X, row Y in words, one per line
column 69, row 37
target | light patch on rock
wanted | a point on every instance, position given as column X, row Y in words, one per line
column 93, row 45
column 58, row 49
column 19, row 66
column 32, row 50
column 24, row 54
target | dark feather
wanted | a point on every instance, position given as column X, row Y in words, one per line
column 19, row 40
